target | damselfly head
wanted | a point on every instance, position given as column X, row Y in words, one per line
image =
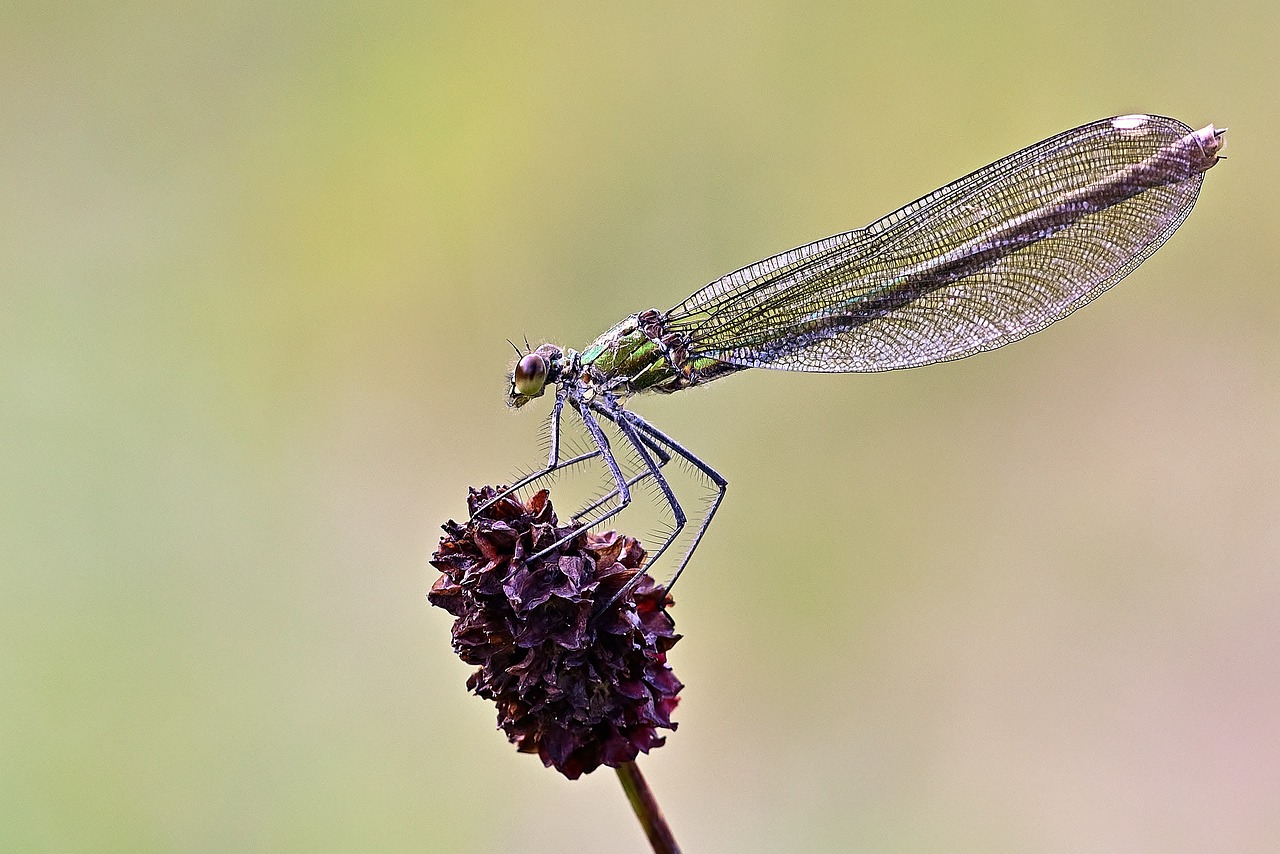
column 531, row 374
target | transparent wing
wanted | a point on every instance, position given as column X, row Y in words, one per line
column 986, row 260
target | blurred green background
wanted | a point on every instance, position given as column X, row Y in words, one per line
column 258, row 264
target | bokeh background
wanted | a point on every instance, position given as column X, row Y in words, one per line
column 258, row 265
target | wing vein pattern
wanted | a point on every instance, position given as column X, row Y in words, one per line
column 985, row 260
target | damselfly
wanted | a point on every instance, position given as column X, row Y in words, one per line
column 986, row 260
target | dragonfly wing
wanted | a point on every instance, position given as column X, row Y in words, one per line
column 986, row 260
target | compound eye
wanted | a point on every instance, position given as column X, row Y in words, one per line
column 530, row 375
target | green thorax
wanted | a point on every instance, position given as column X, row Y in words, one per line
column 628, row 361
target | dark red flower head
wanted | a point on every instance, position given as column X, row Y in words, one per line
column 578, row 688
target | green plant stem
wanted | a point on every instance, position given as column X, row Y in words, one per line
column 647, row 809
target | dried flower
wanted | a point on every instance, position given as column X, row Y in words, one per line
column 578, row 688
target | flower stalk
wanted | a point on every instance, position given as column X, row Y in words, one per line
column 647, row 809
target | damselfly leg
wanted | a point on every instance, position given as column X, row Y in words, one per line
column 641, row 430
